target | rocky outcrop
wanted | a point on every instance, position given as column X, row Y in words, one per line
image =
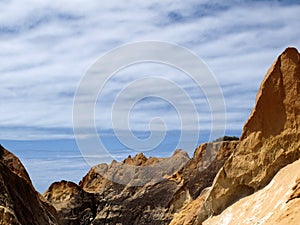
column 112, row 202
column 270, row 138
column 271, row 205
column 74, row 205
column 207, row 160
column 188, row 213
column 14, row 164
column 277, row 103
column 198, row 175
column 167, row 185
column 19, row 202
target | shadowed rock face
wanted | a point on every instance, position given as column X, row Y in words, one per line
column 270, row 138
column 19, row 202
column 14, row 164
column 201, row 171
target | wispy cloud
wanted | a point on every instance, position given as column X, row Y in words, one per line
column 47, row 46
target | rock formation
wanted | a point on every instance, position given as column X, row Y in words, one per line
column 75, row 205
column 270, row 138
column 198, row 180
column 155, row 202
column 20, row 204
column 277, row 203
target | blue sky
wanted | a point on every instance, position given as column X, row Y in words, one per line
column 47, row 46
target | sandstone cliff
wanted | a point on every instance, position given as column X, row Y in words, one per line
column 270, row 138
column 198, row 176
column 20, row 204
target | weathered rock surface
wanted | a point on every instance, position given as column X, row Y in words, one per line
column 115, row 195
column 270, row 138
column 207, row 160
column 198, row 176
column 19, row 202
column 188, row 214
column 113, row 202
column 277, row 101
column 274, row 204
column 75, row 205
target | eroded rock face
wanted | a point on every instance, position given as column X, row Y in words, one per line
column 198, row 176
column 14, row 164
column 274, row 204
column 74, row 205
column 277, row 103
column 19, row 202
column 178, row 181
column 119, row 202
column 188, row 214
column 206, row 162
column 270, row 138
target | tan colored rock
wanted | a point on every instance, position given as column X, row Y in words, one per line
column 127, row 201
column 74, row 205
column 207, row 160
column 277, row 101
column 270, row 138
column 270, row 205
column 141, row 160
column 188, row 214
column 198, row 175
column 181, row 180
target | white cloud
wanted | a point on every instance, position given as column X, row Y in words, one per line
column 47, row 46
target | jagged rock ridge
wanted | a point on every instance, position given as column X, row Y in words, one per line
column 153, row 203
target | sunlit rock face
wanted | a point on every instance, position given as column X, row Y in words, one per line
column 270, row 138
column 277, row 203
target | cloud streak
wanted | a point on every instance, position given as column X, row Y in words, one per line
column 47, row 46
